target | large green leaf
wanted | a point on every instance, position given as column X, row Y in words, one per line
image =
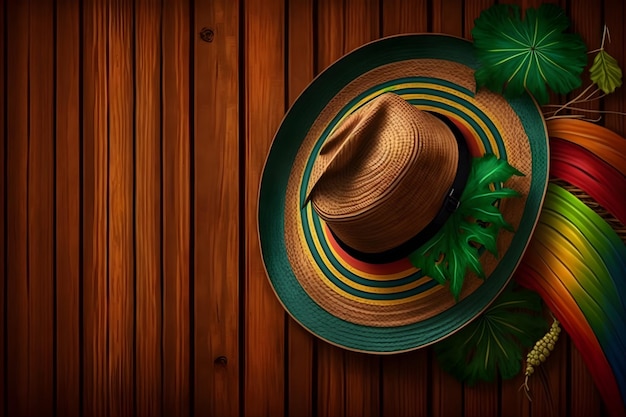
column 448, row 255
column 494, row 342
column 605, row 72
column 530, row 54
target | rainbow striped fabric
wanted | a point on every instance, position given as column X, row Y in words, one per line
column 576, row 259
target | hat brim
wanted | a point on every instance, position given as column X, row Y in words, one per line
column 285, row 277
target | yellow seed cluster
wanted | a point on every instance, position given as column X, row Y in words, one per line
column 540, row 352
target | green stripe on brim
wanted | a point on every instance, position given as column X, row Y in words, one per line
column 284, row 149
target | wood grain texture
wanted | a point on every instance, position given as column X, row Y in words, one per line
column 584, row 397
column 361, row 24
column 406, row 384
column 300, row 71
column 3, row 199
column 447, row 17
column 587, row 22
column 512, row 404
column 401, row 17
column 216, row 208
column 17, row 208
column 480, row 400
column 121, row 210
column 176, row 206
column 613, row 13
column 330, row 33
column 471, row 11
column 68, row 194
column 95, row 209
column 362, row 391
column 147, row 216
column 447, row 393
column 264, row 95
column 41, row 279
column 331, row 383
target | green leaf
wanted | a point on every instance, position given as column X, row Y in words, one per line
column 494, row 342
column 605, row 72
column 448, row 255
column 531, row 54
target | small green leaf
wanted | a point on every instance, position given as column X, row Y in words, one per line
column 494, row 342
column 605, row 72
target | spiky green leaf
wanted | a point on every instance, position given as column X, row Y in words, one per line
column 495, row 341
column 518, row 54
column 605, row 72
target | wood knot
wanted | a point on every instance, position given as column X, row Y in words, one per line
column 206, row 34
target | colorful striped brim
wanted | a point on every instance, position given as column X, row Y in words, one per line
column 388, row 308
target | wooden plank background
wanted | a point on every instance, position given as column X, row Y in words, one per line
column 133, row 140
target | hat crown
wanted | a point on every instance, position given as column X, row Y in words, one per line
column 383, row 174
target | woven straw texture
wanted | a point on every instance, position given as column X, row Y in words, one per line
column 383, row 174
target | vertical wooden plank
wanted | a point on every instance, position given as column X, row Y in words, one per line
column 17, row 223
column 41, row 209
column 148, row 207
column 68, row 207
column 471, row 11
column 216, row 208
column 3, row 200
column 447, row 392
column 330, row 33
column 614, row 13
column 587, row 21
column 481, row 400
column 95, row 208
column 362, row 384
column 331, row 384
column 447, row 17
column 406, row 383
column 362, row 23
column 300, row 67
column 584, row 399
column 405, row 377
column 121, row 215
column 176, row 207
column 513, row 402
column 404, row 16
column 264, row 62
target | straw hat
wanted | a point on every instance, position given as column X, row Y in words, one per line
column 368, row 220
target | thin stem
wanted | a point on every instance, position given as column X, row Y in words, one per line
column 574, row 116
column 575, row 99
column 588, row 99
column 605, row 34
column 590, row 111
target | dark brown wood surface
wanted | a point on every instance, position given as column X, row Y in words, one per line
column 133, row 137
